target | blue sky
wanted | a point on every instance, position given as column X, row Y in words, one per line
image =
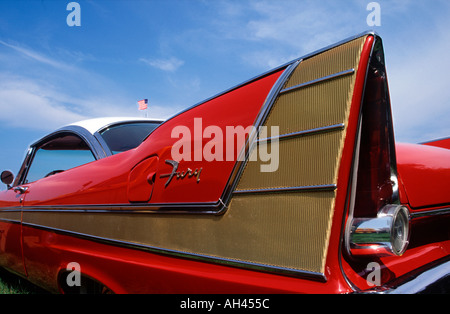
column 179, row 52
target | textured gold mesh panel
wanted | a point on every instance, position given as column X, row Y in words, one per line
column 263, row 230
column 288, row 230
column 303, row 161
column 312, row 107
column 311, row 159
column 333, row 61
column 11, row 216
column 307, row 160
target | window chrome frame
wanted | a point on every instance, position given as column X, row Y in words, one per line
column 83, row 134
column 95, row 142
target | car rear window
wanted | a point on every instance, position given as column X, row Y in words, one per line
column 123, row 137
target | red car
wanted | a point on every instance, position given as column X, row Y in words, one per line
column 288, row 183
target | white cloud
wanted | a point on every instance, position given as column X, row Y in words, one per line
column 417, row 61
column 419, row 86
column 279, row 30
column 267, row 59
column 36, row 56
column 27, row 105
column 261, row 34
column 39, row 106
column 169, row 65
column 42, row 93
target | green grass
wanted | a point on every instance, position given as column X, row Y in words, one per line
column 12, row 284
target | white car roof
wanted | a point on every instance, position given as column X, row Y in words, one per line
column 95, row 124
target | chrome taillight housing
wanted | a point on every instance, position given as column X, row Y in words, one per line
column 387, row 234
column 377, row 224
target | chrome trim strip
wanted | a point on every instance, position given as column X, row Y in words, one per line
column 322, row 50
column 103, row 144
column 429, row 213
column 188, row 208
column 12, row 209
column 334, row 127
column 13, row 221
column 435, row 140
column 326, row 187
column 418, row 281
column 90, row 140
column 193, row 256
column 319, row 80
column 423, row 281
column 366, row 33
column 349, row 201
column 24, row 167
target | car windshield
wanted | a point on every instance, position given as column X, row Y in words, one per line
column 123, row 137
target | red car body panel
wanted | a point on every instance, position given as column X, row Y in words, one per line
column 444, row 143
column 425, row 174
column 138, row 181
column 221, row 111
column 133, row 271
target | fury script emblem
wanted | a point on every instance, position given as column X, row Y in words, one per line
column 180, row 174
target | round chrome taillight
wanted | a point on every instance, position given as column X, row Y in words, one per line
column 400, row 228
column 387, row 234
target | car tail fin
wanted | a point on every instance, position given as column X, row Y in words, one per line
column 442, row 143
column 317, row 113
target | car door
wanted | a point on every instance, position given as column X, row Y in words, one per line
column 50, row 158
column 11, row 202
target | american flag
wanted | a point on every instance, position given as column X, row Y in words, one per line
column 143, row 104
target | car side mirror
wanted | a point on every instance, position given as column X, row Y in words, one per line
column 7, row 178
